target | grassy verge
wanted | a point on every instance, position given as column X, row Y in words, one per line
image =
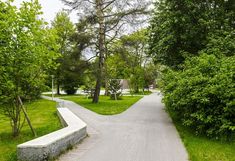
column 44, row 119
column 141, row 93
column 105, row 105
column 62, row 95
column 200, row 148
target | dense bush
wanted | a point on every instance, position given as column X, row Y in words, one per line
column 70, row 90
column 202, row 94
column 70, row 84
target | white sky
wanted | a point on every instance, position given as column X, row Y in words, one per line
column 50, row 8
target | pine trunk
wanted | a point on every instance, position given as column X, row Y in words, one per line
column 101, row 49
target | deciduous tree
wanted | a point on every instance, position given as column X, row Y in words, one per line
column 129, row 60
column 27, row 51
column 183, row 28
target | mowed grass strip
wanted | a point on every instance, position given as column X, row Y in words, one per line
column 44, row 119
column 201, row 148
column 106, row 106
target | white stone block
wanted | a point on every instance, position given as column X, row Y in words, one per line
column 51, row 145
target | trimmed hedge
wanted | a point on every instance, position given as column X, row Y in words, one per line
column 202, row 95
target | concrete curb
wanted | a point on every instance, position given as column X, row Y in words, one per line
column 52, row 145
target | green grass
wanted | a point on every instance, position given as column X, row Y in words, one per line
column 105, row 105
column 61, row 95
column 141, row 93
column 44, row 119
column 201, row 148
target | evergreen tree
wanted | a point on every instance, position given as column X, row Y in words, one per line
column 107, row 18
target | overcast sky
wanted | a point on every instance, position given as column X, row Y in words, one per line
column 50, row 8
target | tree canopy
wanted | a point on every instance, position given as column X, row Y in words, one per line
column 183, row 28
column 27, row 50
column 129, row 60
column 106, row 18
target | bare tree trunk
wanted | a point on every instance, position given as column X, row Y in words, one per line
column 15, row 119
column 58, row 87
column 97, row 91
column 136, row 86
column 101, row 49
column 15, row 129
column 136, row 89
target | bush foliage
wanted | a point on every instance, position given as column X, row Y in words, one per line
column 202, row 94
column 115, row 89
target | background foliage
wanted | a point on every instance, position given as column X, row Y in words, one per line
column 182, row 28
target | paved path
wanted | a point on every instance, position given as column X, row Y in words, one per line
column 142, row 133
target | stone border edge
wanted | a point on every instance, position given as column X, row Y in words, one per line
column 50, row 146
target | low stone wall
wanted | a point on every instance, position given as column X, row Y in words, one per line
column 51, row 145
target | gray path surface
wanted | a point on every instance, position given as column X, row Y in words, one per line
column 142, row 133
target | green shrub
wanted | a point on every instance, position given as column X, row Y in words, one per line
column 70, row 85
column 115, row 89
column 202, row 94
column 70, row 90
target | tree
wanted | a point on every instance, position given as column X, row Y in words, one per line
column 115, row 89
column 106, row 17
column 72, row 73
column 117, row 67
column 182, row 28
column 64, row 29
column 136, row 57
column 73, row 39
column 74, row 65
column 27, row 51
column 129, row 60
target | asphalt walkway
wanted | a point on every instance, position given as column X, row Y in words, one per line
column 142, row 133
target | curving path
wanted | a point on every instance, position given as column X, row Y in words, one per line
column 142, row 133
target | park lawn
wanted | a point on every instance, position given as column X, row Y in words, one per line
column 200, row 148
column 106, row 106
column 141, row 93
column 61, row 95
column 44, row 120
